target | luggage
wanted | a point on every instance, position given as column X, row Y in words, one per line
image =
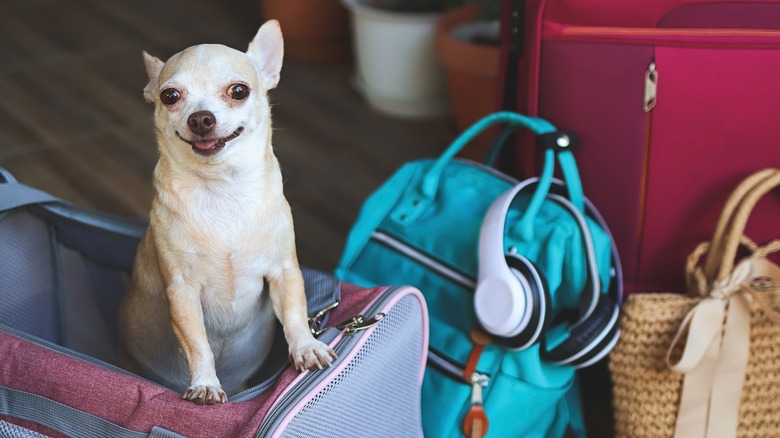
column 426, row 226
column 674, row 102
column 62, row 272
column 707, row 363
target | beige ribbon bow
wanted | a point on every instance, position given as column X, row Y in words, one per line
column 716, row 352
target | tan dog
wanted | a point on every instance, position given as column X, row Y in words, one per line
column 194, row 317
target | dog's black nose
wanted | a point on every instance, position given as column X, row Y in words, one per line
column 202, row 122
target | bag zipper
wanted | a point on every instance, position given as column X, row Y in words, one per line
column 478, row 382
column 423, row 259
column 454, row 370
column 345, row 341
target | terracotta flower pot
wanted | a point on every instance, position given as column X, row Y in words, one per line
column 472, row 73
column 314, row 30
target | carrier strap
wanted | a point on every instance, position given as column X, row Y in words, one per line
column 67, row 420
column 322, row 290
column 15, row 195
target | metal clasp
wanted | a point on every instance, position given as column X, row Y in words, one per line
column 316, row 320
column 358, row 323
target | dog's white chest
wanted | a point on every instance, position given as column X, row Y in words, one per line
column 230, row 241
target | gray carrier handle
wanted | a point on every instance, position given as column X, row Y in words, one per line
column 14, row 194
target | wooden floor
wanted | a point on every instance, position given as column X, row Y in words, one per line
column 73, row 120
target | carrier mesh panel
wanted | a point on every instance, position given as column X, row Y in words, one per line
column 27, row 300
column 91, row 294
column 61, row 296
column 377, row 385
column 8, row 430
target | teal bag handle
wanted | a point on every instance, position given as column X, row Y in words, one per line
column 573, row 185
column 541, row 127
column 430, row 183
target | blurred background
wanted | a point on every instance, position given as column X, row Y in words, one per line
column 73, row 120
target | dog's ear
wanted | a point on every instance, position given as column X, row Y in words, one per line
column 267, row 50
column 153, row 67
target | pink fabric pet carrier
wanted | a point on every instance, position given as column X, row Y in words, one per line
column 62, row 272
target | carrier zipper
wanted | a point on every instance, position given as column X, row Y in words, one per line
column 343, row 345
column 434, row 265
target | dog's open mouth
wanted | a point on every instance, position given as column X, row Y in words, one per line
column 208, row 147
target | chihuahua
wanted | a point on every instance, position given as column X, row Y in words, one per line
column 195, row 316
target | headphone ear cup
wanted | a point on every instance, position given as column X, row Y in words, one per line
column 590, row 339
column 537, row 304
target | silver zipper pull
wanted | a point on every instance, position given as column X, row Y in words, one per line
column 478, row 381
column 651, row 87
column 475, row 424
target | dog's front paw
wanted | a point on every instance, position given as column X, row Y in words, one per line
column 205, row 395
column 311, row 355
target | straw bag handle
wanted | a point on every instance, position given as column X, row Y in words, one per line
column 698, row 278
column 721, row 251
column 734, row 207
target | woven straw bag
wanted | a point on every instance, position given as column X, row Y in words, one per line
column 706, row 363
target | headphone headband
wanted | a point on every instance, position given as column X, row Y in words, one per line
column 496, row 277
column 491, row 238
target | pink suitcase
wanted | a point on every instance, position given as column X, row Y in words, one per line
column 674, row 102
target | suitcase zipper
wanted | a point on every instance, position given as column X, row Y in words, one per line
column 436, row 266
column 651, row 87
column 345, row 341
column 650, row 100
column 662, row 32
column 745, row 38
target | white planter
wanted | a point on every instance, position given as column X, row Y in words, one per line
column 398, row 72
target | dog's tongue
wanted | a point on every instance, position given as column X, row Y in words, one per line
column 205, row 145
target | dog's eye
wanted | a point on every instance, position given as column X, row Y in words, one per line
column 238, row 91
column 169, row 96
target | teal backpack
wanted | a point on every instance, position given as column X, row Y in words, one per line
column 422, row 227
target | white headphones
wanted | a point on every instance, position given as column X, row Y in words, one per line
column 512, row 302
